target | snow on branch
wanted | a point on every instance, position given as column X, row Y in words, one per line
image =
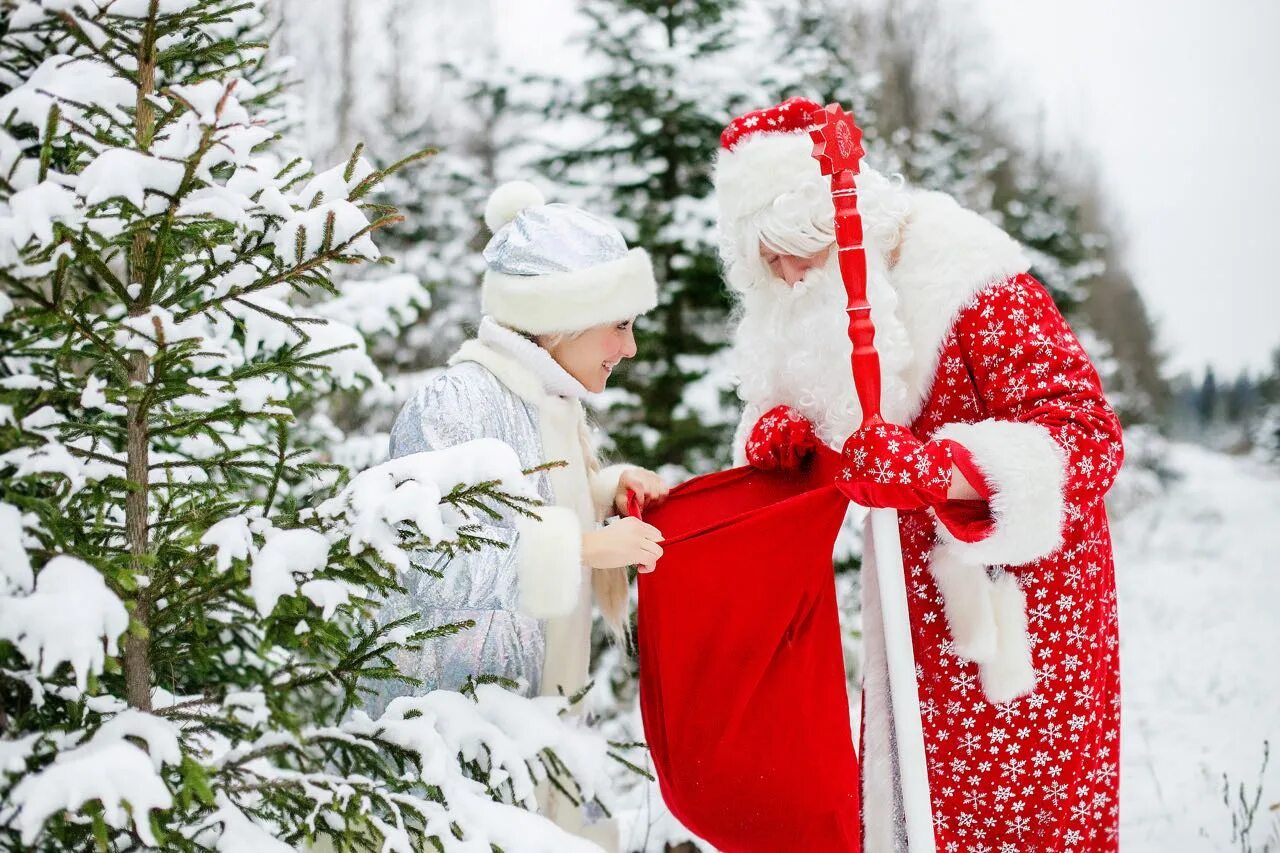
column 414, row 488
column 65, row 619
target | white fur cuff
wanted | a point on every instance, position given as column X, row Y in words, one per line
column 1026, row 470
column 549, row 561
column 572, row 301
column 604, row 488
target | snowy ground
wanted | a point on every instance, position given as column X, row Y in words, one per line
column 1199, row 578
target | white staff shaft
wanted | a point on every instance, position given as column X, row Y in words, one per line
column 901, row 661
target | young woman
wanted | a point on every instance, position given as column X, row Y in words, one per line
column 559, row 297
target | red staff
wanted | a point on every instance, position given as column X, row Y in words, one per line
column 838, row 150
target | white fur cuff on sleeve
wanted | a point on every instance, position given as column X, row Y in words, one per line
column 549, row 561
column 604, row 486
column 1026, row 470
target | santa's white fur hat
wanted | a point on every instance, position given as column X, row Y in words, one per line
column 557, row 268
column 764, row 154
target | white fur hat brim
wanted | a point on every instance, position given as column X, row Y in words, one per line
column 760, row 168
column 572, row 301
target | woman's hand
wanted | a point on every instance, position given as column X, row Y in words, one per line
column 627, row 542
column 648, row 486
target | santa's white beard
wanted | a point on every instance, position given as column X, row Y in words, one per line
column 791, row 347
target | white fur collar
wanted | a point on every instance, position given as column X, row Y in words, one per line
column 555, row 380
column 948, row 255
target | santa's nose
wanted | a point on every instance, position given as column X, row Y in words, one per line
column 793, row 269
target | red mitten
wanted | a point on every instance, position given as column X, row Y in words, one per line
column 887, row 466
column 781, row 440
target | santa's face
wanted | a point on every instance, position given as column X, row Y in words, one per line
column 792, row 269
column 791, row 345
column 791, row 348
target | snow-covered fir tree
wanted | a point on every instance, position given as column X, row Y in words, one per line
column 665, row 88
column 186, row 580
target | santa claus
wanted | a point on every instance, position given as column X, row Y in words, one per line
column 1004, row 450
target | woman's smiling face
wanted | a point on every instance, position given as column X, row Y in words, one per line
column 591, row 356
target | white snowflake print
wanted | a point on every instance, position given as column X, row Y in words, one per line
column 1038, row 774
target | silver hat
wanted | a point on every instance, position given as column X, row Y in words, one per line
column 558, row 268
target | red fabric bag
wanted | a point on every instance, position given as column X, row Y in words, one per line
column 742, row 684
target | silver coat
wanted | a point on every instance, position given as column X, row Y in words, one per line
column 466, row 402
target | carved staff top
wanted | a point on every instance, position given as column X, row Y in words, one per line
column 837, row 146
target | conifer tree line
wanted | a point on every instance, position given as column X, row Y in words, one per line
column 634, row 134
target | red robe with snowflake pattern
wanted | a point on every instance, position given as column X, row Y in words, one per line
column 1013, row 602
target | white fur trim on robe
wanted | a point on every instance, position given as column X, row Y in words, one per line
column 1010, row 673
column 604, row 487
column 988, row 623
column 549, row 561
column 948, row 255
column 572, row 301
column 1026, row 470
column 883, row 822
column 966, row 601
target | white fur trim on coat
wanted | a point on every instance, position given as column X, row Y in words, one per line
column 966, row 602
column 1026, row 470
column 988, row 622
column 572, row 301
column 883, row 823
column 948, row 255
column 604, row 487
column 1010, row 673
column 549, row 561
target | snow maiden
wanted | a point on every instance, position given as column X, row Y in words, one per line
column 559, row 296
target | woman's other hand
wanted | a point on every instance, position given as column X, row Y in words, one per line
column 626, row 542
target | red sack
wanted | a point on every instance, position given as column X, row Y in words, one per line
column 742, row 684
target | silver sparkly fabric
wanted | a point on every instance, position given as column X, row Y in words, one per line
column 551, row 238
column 466, row 402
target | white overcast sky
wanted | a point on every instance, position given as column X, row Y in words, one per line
column 1179, row 100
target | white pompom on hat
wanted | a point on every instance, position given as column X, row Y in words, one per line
column 508, row 200
column 557, row 268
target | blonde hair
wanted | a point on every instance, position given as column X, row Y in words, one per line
column 611, row 587
column 551, row 340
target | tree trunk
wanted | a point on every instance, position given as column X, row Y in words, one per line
column 137, row 647
column 346, row 80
